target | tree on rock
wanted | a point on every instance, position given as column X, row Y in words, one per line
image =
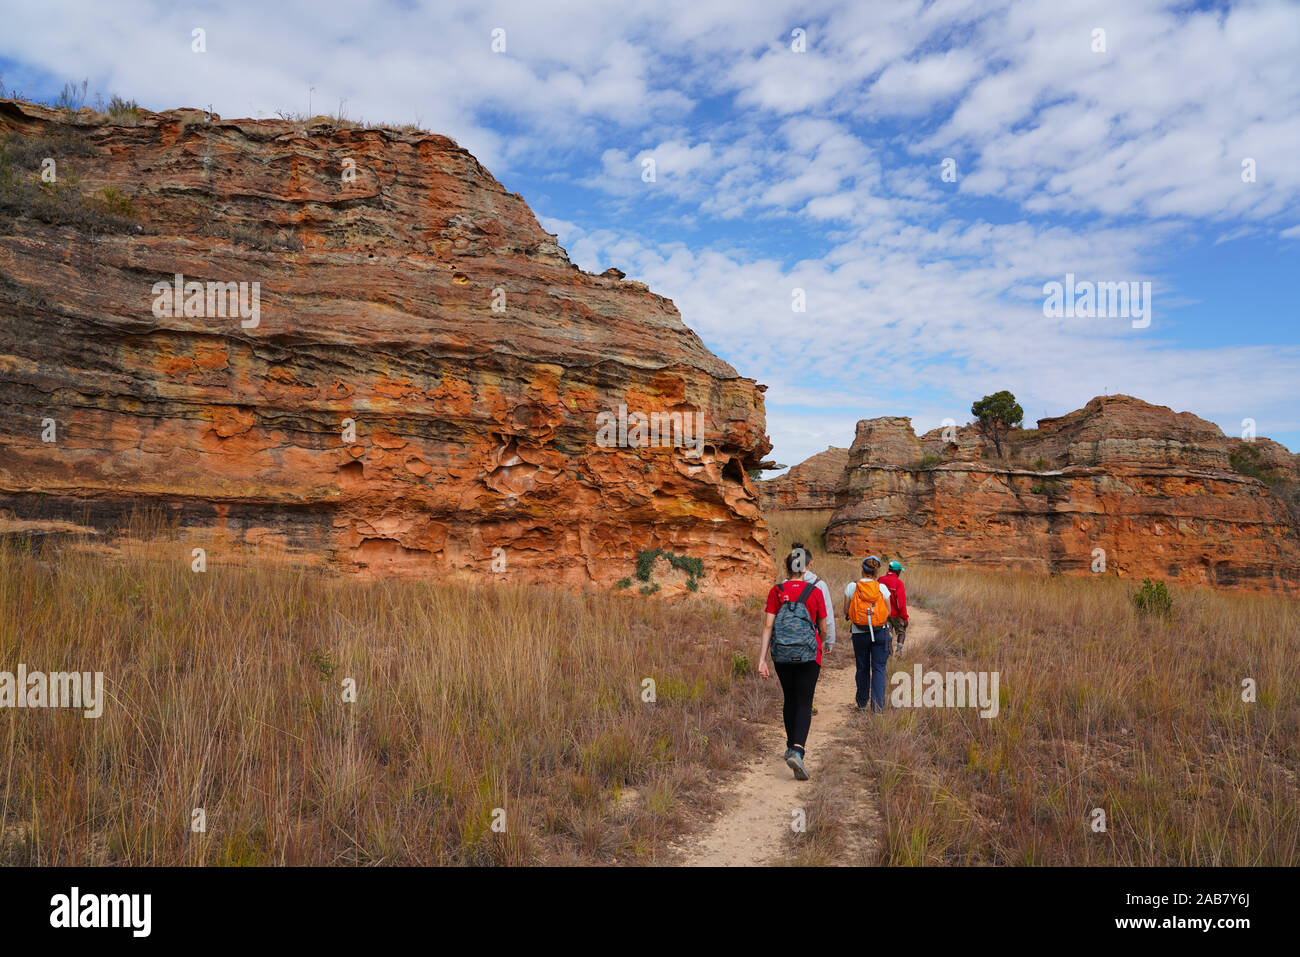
column 996, row 415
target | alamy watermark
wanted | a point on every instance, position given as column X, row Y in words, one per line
column 951, row 689
column 81, row 690
column 1098, row 300
column 639, row 430
column 76, row 909
column 211, row 300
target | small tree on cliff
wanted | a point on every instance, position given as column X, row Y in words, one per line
column 996, row 415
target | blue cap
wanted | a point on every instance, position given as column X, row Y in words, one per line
column 870, row 562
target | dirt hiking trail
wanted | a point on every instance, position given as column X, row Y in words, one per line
column 759, row 805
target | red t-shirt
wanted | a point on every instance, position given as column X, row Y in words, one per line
column 816, row 604
column 897, row 595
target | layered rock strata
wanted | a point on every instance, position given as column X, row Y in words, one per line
column 809, row 485
column 1119, row 487
column 346, row 346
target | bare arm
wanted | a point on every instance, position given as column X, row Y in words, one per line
column 762, row 648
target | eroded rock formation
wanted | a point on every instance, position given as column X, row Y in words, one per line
column 402, row 295
column 1162, row 494
column 810, row 484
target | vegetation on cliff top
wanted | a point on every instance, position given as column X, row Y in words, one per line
column 32, row 188
column 996, row 415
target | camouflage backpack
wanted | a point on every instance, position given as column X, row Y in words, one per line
column 794, row 636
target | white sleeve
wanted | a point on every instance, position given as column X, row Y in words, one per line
column 884, row 590
column 830, row 611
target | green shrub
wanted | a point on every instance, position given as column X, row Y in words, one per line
column 120, row 109
column 1153, row 598
column 740, row 666
column 115, row 202
column 1246, row 460
column 623, row 583
column 645, row 563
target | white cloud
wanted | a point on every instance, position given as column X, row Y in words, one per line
column 916, row 87
column 826, row 163
column 882, row 323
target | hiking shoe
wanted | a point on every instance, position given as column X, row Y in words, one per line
column 795, row 760
column 788, row 752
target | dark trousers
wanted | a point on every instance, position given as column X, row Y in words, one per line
column 871, row 658
column 798, row 682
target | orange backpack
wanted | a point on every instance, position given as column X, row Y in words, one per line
column 868, row 606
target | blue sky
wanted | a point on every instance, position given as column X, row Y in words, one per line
column 819, row 169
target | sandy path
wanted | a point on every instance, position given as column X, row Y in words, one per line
column 760, row 805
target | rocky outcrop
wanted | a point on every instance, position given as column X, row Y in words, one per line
column 1119, row 487
column 810, row 484
column 404, row 375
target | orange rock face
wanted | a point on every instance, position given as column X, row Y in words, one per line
column 406, row 374
column 810, row 484
column 1119, row 487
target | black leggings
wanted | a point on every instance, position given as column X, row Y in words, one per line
column 798, row 682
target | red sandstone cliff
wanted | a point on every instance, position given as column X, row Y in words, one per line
column 810, row 484
column 400, row 287
column 1162, row 493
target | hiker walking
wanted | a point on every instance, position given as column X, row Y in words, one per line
column 866, row 606
column 794, row 625
column 897, row 604
column 810, row 576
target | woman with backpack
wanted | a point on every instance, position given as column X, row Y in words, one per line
column 828, row 636
column 795, row 623
column 866, row 606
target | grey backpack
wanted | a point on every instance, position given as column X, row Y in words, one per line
column 794, row 637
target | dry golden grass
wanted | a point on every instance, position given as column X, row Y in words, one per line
column 1101, row 708
column 225, row 693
